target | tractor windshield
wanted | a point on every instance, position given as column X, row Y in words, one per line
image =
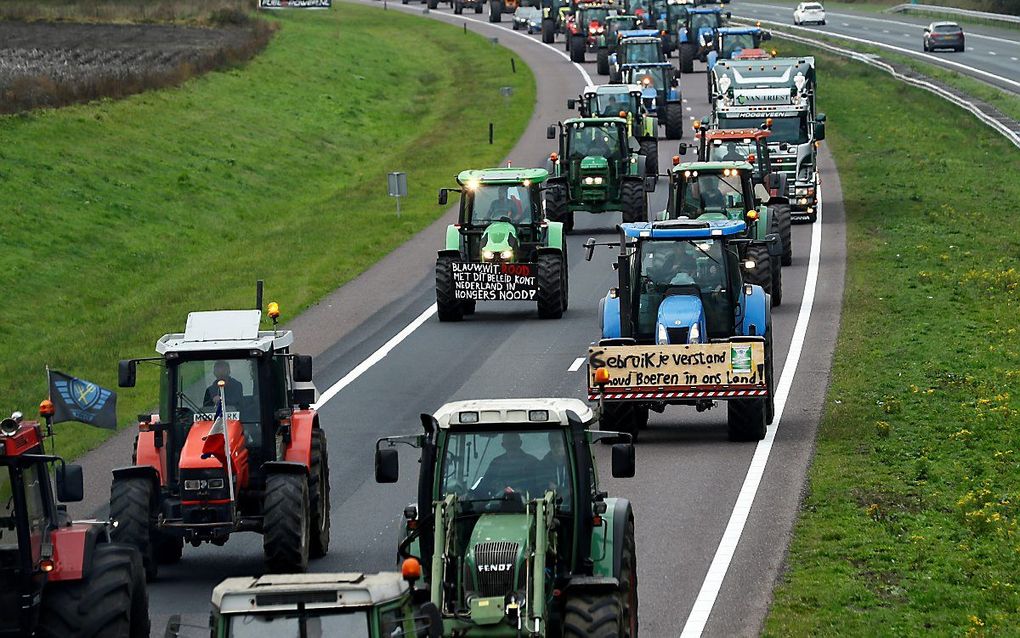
column 318, row 625
column 595, row 140
column 734, row 43
column 637, row 52
column 652, row 77
column 792, row 129
column 610, row 105
column 502, row 202
column 198, row 393
column 704, row 21
column 488, row 465
column 671, row 266
column 710, row 193
column 587, row 16
column 730, row 150
column 677, row 13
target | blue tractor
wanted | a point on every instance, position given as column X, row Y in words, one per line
column 660, row 93
column 696, row 35
column 730, row 42
column 683, row 328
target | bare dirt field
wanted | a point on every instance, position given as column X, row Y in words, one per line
column 56, row 63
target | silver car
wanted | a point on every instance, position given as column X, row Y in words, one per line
column 943, row 35
column 809, row 13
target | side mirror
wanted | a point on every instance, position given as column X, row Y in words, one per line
column 126, row 373
column 820, row 130
column 623, row 460
column 444, row 196
column 761, row 193
column 173, row 627
column 551, row 132
column 766, row 36
column 820, row 117
column 387, row 466
column 70, row 483
column 571, row 104
column 589, row 248
column 302, row 368
column 774, row 244
column 682, row 149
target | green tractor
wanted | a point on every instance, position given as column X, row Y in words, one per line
column 598, row 168
column 502, row 248
column 515, row 534
column 610, row 100
column 726, row 190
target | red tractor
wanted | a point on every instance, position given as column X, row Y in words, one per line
column 59, row 578
column 586, row 29
column 236, row 446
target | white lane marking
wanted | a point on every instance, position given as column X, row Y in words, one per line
column 992, row 53
column 845, row 24
column 695, row 624
column 885, row 30
column 1013, row 59
column 917, row 54
column 689, row 108
column 375, row 357
column 576, row 365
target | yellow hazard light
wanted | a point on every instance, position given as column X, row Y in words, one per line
column 46, row 565
column 676, row 160
column 274, row 310
column 46, row 408
column 752, row 215
column 601, row 376
column 410, row 569
column 696, row 125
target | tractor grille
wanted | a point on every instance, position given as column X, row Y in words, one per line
column 495, row 563
column 677, row 335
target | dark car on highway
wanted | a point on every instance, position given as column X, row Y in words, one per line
column 943, row 35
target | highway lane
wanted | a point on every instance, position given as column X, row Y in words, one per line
column 689, row 476
column 991, row 54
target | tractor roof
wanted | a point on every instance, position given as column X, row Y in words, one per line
column 25, row 439
column 621, row 16
column 642, row 65
column 594, row 120
column 685, row 229
column 224, row 330
column 706, row 10
column 283, row 592
column 498, row 412
column 635, row 34
column 736, row 133
column 611, row 89
column 710, row 166
column 739, row 30
column 508, row 175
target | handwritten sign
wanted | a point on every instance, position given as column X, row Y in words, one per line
column 494, row 282
column 680, row 367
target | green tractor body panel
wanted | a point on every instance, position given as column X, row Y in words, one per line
column 554, row 238
column 452, row 238
column 499, row 236
column 603, row 542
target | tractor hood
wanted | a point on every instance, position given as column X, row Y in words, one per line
column 495, row 554
column 594, row 164
column 499, row 236
column 192, row 452
column 678, row 314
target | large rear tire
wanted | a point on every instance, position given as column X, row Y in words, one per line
column 131, row 501
column 448, row 307
column 602, row 61
column 318, row 493
column 674, row 117
column 550, row 285
column 785, row 226
column 109, row 602
column 593, row 615
column 745, row 419
column 623, row 417
column 548, row 31
column 629, row 582
column 556, row 206
column 286, row 525
column 650, row 149
column 495, row 10
column 777, row 268
column 634, row 201
column 686, row 58
column 578, row 47
column 770, row 404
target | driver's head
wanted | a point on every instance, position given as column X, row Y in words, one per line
column 221, row 369
column 504, row 193
column 512, row 442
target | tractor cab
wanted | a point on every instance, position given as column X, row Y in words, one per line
column 735, row 145
column 658, row 81
column 610, row 100
column 637, row 47
column 615, row 26
column 712, row 190
column 696, row 36
column 509, row 511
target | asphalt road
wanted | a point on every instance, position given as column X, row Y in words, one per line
column 380, row 338
column 992, row 54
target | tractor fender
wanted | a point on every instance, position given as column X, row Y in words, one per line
column 756, row 312
column 453, row 254
column 554, row 237
column 761, row 227
column 609, row 315
column 594, row 584
column 614, row 524
column 302, row 422
column 284, row 467
column 72, row 550
column 148, row 455
column 681, row 311
column 453, row 238
column 778, row 199
column 140, row 471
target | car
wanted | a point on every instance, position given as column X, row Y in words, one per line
column 809, row 12
column 528, row 19
column 943, row 35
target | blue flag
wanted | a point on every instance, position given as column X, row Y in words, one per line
column 83, row 401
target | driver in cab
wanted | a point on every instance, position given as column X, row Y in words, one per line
column 670, row 266
column 233, row 391
column 505, row 206
column 511, row 472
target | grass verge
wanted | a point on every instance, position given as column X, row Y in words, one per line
column 121, row 217
column 909, row 526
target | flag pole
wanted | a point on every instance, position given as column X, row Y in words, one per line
column 226, row 441
column 49, row 417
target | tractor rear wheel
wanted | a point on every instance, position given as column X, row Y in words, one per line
column 622, row 417
column 566, row 277
column 785, row 226
column 548, row 31
column 478, row 8
column 495, row 10
column 761, row 274
column 629, row 583
column 131, row 502
column 634, row 201
column 615, row 77
column 286, row 523
column 449, row 308
column 556, row 206
column 458, row 8
column 686, row 58
column 602, row 61
column 109, row 602
column 593, row 615
column 318, row 492
column 674, row 119
column 578, row 47
column 777, row 270
column 745, row 419
column 550, row 285
column 650, row 149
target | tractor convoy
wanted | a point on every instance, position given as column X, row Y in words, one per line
column 510, row 532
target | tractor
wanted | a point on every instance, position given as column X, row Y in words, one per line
column 512, row 526
column 634, row 47
column 683, row 327
column 339, row 604
column 59, row 578
column 660, row 86
column 502, row 248
column 498, row 7
column 723, row 145
column 554, row 19
column 726, row 190
column 670, row 21
column 616, row 25
column 609, row 100
column 234, row 447
column 586, row 28
column 695, row 36
column 597, row 168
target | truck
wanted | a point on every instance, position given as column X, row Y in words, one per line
column 682, row 327
column 778, row 94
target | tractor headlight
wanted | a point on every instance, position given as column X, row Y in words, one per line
column 487, row 255
column 694, row 336
column 507, row 254
column 661, row 336
column 598, row 180
column 749, row 264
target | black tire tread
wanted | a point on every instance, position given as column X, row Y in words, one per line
column 592, row 616
column 634, row 202
column 131, row 506
column 650, row 149
column 286, row 532
column 762, row 273
column 319, row 490
column 448, row 308
column 550, row 285
column 674, row 121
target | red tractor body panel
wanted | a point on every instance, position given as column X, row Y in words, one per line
column 146, row 453
column 300, row 449
column 23, row 441
column 192, row 454
column 69, row 545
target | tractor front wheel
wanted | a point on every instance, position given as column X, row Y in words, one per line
column 761, row 274
column 556, row 206
column 286, row 523
column 131, row 502
column 593, row 615
column 109, row 601
column 458, row 8
column 770, row 405
column 674, row 116
column 578, row 47
column 629, row 583
column 602, row 61
column 449, row 308
column 318, row 490
column 634, row 202
column 550, row 279
column 686, row 58
column 548, row 31
column 650, row 149
column 495, row 10
column 777, row 268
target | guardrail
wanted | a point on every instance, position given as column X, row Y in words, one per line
column 1001, row 123
column 970, row 13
